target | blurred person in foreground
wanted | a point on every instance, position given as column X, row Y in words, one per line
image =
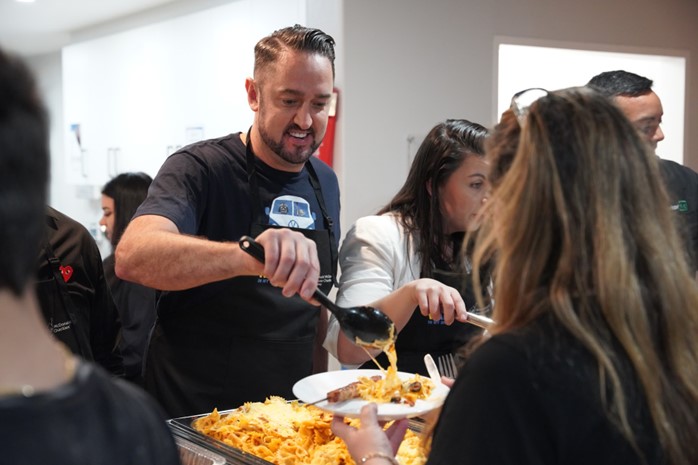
column 121, row 197
column 593, row 357
column 407, row 261
column 230, row 330
column 633, row 94
column 54, row 407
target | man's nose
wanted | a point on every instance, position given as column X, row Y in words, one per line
column 658, row 135
column 303, row 117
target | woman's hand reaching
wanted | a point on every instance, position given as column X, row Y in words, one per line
column 436, row 299
column 369, row 439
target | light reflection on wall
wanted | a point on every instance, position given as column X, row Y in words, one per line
column 524, row 66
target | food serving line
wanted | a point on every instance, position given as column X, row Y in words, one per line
column 342, row 392
column 197, row 448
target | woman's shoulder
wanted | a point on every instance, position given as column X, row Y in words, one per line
column 382, row 231
column 385, row 224
column 543, row 350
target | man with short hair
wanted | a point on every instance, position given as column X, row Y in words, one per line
column 633, row 94
column 231, row 330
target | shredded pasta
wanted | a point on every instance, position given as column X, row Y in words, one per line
column 391, row 388
column 291, row 433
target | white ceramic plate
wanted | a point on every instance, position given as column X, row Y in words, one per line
column 316, row 387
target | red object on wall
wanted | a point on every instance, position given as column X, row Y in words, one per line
column 326, row 150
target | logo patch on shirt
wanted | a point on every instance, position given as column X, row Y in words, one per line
column 66, row 272
column 291, row 211
column 683, row 206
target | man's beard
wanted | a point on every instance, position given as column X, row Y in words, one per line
column 298, row 156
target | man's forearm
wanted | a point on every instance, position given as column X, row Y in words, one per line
column 166, row 260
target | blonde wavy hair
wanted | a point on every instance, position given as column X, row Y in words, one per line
column 580, row 227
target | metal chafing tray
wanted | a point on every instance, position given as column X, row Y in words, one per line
column 191, row 454
column 183, row 431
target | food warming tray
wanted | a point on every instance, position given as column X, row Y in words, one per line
column 182, row 429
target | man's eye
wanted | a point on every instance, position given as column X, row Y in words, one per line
column 289, row 102
column 320, row 105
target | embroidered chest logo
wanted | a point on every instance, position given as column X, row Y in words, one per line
column 66, row 272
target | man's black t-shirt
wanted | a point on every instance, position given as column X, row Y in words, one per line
column 211, row 340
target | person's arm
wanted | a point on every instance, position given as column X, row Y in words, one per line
column 433, row 298
column 376, row 271
column 152, row 252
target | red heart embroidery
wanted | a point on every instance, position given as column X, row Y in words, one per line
column 67, row 272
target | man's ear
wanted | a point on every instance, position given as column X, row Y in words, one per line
column 252, row 93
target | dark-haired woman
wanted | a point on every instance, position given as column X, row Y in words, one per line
column 406, row 259
column 136, row 304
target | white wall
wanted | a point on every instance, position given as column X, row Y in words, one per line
column 522, row 66
column 140, row 85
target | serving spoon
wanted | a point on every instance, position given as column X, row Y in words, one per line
column 366, row 326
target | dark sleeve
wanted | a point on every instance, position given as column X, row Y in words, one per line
column 105, row 325
column 492, row 415
column 179, row 192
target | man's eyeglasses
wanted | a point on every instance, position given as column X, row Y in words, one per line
column 521, row 102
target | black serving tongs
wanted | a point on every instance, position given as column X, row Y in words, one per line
column 365, row 326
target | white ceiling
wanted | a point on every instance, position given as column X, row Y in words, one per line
column 46, row 25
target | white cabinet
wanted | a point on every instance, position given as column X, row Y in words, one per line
column 132, row 98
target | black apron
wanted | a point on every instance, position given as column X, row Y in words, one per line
column 58, row 308
column 422, row 335
column 247, row 341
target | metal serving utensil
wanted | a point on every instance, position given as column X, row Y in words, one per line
column 479, row 320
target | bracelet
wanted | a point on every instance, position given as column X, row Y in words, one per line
column 373, row 455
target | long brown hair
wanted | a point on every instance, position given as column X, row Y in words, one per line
column 581, row 229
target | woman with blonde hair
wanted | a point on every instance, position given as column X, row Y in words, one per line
column 594, row 355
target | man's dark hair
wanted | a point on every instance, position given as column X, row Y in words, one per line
column 620, row 83
column 128, row 191
column 24, row 171
column 297, row 37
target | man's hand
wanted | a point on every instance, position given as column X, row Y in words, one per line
column 290, row 262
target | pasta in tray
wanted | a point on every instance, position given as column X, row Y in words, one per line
column 291, row 433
